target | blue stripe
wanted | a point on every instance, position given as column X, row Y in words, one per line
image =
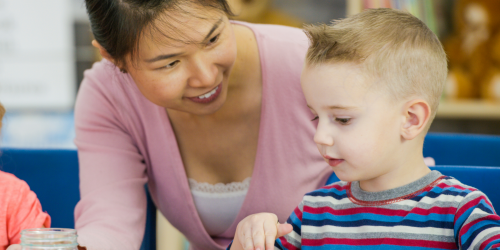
column 378, row 217
column 365, row 222
column 433, row 194
column 278, row 244
column 326, row 191
column 460, row 221
column 485, row 207
column 295, row 222
column 332, row 195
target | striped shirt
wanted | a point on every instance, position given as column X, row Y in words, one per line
column 442, row 214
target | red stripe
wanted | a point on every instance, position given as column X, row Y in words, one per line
column 495, row 245
column 444, row 185
column 298, row 213
column 466, row 228
column 379, row 211
column 336, row 186
column 466, row 207
column 378, row 241
column 287, row 245
column 486, row 242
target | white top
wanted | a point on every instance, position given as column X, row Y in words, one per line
column 219, row 204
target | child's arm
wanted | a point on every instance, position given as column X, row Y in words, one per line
column 477, row 226
column 258, row 230
column 23, row 210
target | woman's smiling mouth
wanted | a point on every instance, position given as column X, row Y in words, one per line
column 208, row 97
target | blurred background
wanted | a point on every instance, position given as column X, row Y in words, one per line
column 45, row 46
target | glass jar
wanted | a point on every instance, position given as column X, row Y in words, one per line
column 49, row 239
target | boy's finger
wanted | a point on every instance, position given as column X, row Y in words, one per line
column 270, row 228
column 258, row 237
column 246, row 239
column 284, row 229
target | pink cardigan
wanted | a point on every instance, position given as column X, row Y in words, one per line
column 125, row 141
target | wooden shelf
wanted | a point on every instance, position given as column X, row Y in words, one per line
column 472, row 109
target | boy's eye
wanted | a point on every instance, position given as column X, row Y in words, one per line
column 315, row 118
column 343, row 121
column 214, row 39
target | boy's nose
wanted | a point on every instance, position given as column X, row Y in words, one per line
column 322, row 136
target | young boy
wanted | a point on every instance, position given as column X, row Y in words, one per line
column 19, row 208
column 373, row 81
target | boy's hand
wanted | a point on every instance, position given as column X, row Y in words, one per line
column 259, row 230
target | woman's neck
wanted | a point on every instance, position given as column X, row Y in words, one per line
column 247, row 62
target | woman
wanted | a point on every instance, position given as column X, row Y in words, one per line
column 208, row 112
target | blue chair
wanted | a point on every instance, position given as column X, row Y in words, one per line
column 463, row 149
column 483, row 178
column 53, row 176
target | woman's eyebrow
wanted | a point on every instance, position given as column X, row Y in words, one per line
column 163, row 57
column 216, row 25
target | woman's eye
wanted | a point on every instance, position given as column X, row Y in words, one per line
column 343, row 121
column 315, row 118
column 171, row 65
column 214, row 39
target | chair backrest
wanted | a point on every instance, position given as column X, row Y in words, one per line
column 463, row 149
column 53, row 175
column 483, row 178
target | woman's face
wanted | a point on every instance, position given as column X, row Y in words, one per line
column 190, row 72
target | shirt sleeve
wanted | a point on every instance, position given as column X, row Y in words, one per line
column 112, row 211
column 477, row 226
column 24, row 211
column 292, row 240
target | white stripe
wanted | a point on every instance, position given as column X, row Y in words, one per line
column 378, row 229
column 294, row 235
column 317, row 199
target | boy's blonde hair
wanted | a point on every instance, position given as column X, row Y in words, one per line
column 392, row 45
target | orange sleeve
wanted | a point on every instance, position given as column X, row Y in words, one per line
column 24, row 211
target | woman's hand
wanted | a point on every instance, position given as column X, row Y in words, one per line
column 259, row 230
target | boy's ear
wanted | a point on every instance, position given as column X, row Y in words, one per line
column 416, row 115
column 103, row 51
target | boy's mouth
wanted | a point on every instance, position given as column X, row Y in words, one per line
column 333, row 161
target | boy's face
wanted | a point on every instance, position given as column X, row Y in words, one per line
column 358, row 130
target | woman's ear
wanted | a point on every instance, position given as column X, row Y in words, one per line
column 416, row 115
column 103, row 51
column 105, row 54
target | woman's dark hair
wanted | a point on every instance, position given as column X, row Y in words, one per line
column 117, row 25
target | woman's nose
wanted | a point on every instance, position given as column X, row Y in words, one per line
column 204, row 74
column 323, row 135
